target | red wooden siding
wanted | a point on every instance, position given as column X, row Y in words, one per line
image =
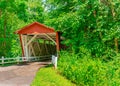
column 35, row 28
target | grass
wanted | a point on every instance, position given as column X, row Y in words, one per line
column 50, row 77
column 8, row 64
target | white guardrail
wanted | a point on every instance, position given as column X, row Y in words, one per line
column 4, row 60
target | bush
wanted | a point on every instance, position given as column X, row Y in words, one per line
column 89, row 71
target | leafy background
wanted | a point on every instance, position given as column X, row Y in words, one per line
column 91, row 30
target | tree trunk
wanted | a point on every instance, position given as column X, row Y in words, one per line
column 0, row 13
column 115, row 39
column 100, row 33
column 116, row 44
column 4, row 34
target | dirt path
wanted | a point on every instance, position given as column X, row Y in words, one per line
column 19, row 75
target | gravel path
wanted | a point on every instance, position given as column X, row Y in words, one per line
column 19, row 75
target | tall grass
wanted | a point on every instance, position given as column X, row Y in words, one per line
column 88, row 71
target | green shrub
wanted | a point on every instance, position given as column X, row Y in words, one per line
column 89, row 71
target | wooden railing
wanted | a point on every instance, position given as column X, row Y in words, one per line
column 4, row 60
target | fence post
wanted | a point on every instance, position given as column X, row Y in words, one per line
column 17, row 60
column 28, row 59
column 2, row 60
column 54, row 61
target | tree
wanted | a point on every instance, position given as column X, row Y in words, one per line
column 14, row 15
column 88, row 23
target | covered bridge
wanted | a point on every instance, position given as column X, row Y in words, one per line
column 38, row 40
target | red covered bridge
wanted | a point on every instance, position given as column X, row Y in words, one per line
column 37, row 40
